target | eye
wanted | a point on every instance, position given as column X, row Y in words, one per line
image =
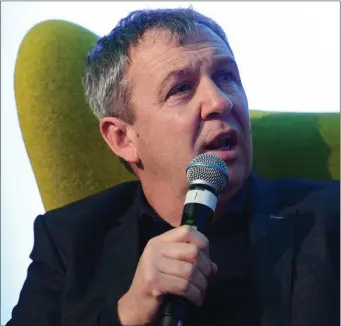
column 182, row 88
column 226, row 77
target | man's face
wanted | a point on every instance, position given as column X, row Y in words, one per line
column 182, row 96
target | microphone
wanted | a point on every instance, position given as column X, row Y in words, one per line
column 207, row 177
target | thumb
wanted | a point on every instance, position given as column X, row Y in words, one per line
column 214, row 268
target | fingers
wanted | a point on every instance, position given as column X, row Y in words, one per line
column 176, row 262
column 184, row 270
column 189, row 234
column 189, row 253
column 178, row 286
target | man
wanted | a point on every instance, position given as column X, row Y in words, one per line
column 166, row 87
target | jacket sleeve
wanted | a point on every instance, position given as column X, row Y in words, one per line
column 40, row 298
column 332, row 224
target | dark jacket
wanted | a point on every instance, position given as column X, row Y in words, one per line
column 85, row 255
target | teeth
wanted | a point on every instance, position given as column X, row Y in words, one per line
column 225, row 147
column 223, row 143
column 226, row 139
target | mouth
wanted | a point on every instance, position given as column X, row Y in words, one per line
column 223, row 142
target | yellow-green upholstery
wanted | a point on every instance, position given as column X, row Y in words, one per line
column 70, row 159
column 292, row 144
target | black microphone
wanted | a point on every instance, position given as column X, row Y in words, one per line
column 207, row 177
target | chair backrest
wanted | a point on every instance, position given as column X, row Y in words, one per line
column 69, row 158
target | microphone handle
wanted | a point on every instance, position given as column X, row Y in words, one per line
column 200, row 215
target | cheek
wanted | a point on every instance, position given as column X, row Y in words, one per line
column 182, row 124
column 161, row 135
column 146, row 136
column 172, row 132
column 242, row 117
column 190, row 124
column 151, row 136
column 242, row 114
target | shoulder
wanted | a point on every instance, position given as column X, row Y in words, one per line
column 291, row 191
column 320, row 195
column 319, row 199
column 98, row 210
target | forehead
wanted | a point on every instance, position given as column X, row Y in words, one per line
column 158, row 52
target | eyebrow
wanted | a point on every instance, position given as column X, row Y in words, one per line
column 189, row 70
column 224, row 60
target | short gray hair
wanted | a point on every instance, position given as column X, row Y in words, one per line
column 108, row 92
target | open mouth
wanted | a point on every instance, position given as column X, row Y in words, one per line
column 223, row 142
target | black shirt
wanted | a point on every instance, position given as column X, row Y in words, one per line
column 230, row 296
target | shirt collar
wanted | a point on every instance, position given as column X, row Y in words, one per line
column 146, row 211
column 144, row 208
column 236, row 205
column 238, row 201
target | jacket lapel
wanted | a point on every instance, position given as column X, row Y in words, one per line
column 116, row 264
column 122, row 251
column 119, row 257
column 272, row 242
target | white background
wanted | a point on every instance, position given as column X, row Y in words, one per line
column 289, row 58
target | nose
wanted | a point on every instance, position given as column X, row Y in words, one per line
column 214, row 102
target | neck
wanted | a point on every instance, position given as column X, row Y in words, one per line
column 167, row 203
column 224, row 199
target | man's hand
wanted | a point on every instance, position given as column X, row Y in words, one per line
column 176, row 262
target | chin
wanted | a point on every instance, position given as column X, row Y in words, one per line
column 238, row 173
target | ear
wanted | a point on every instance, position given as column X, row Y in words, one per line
column 120, row 137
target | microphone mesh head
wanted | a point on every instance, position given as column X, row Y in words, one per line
column 209, row 168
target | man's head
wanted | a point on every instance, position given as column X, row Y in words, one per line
column 165, row 86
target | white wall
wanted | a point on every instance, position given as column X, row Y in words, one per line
column 289, row 59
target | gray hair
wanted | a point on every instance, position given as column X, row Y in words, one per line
column 108, row 92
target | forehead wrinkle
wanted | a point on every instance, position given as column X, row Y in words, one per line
column 150, row 41
column 193, row 61
column 154, row 38
column 163, row 54
column 204, row 44
column 165, row 59
column 172, row 63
